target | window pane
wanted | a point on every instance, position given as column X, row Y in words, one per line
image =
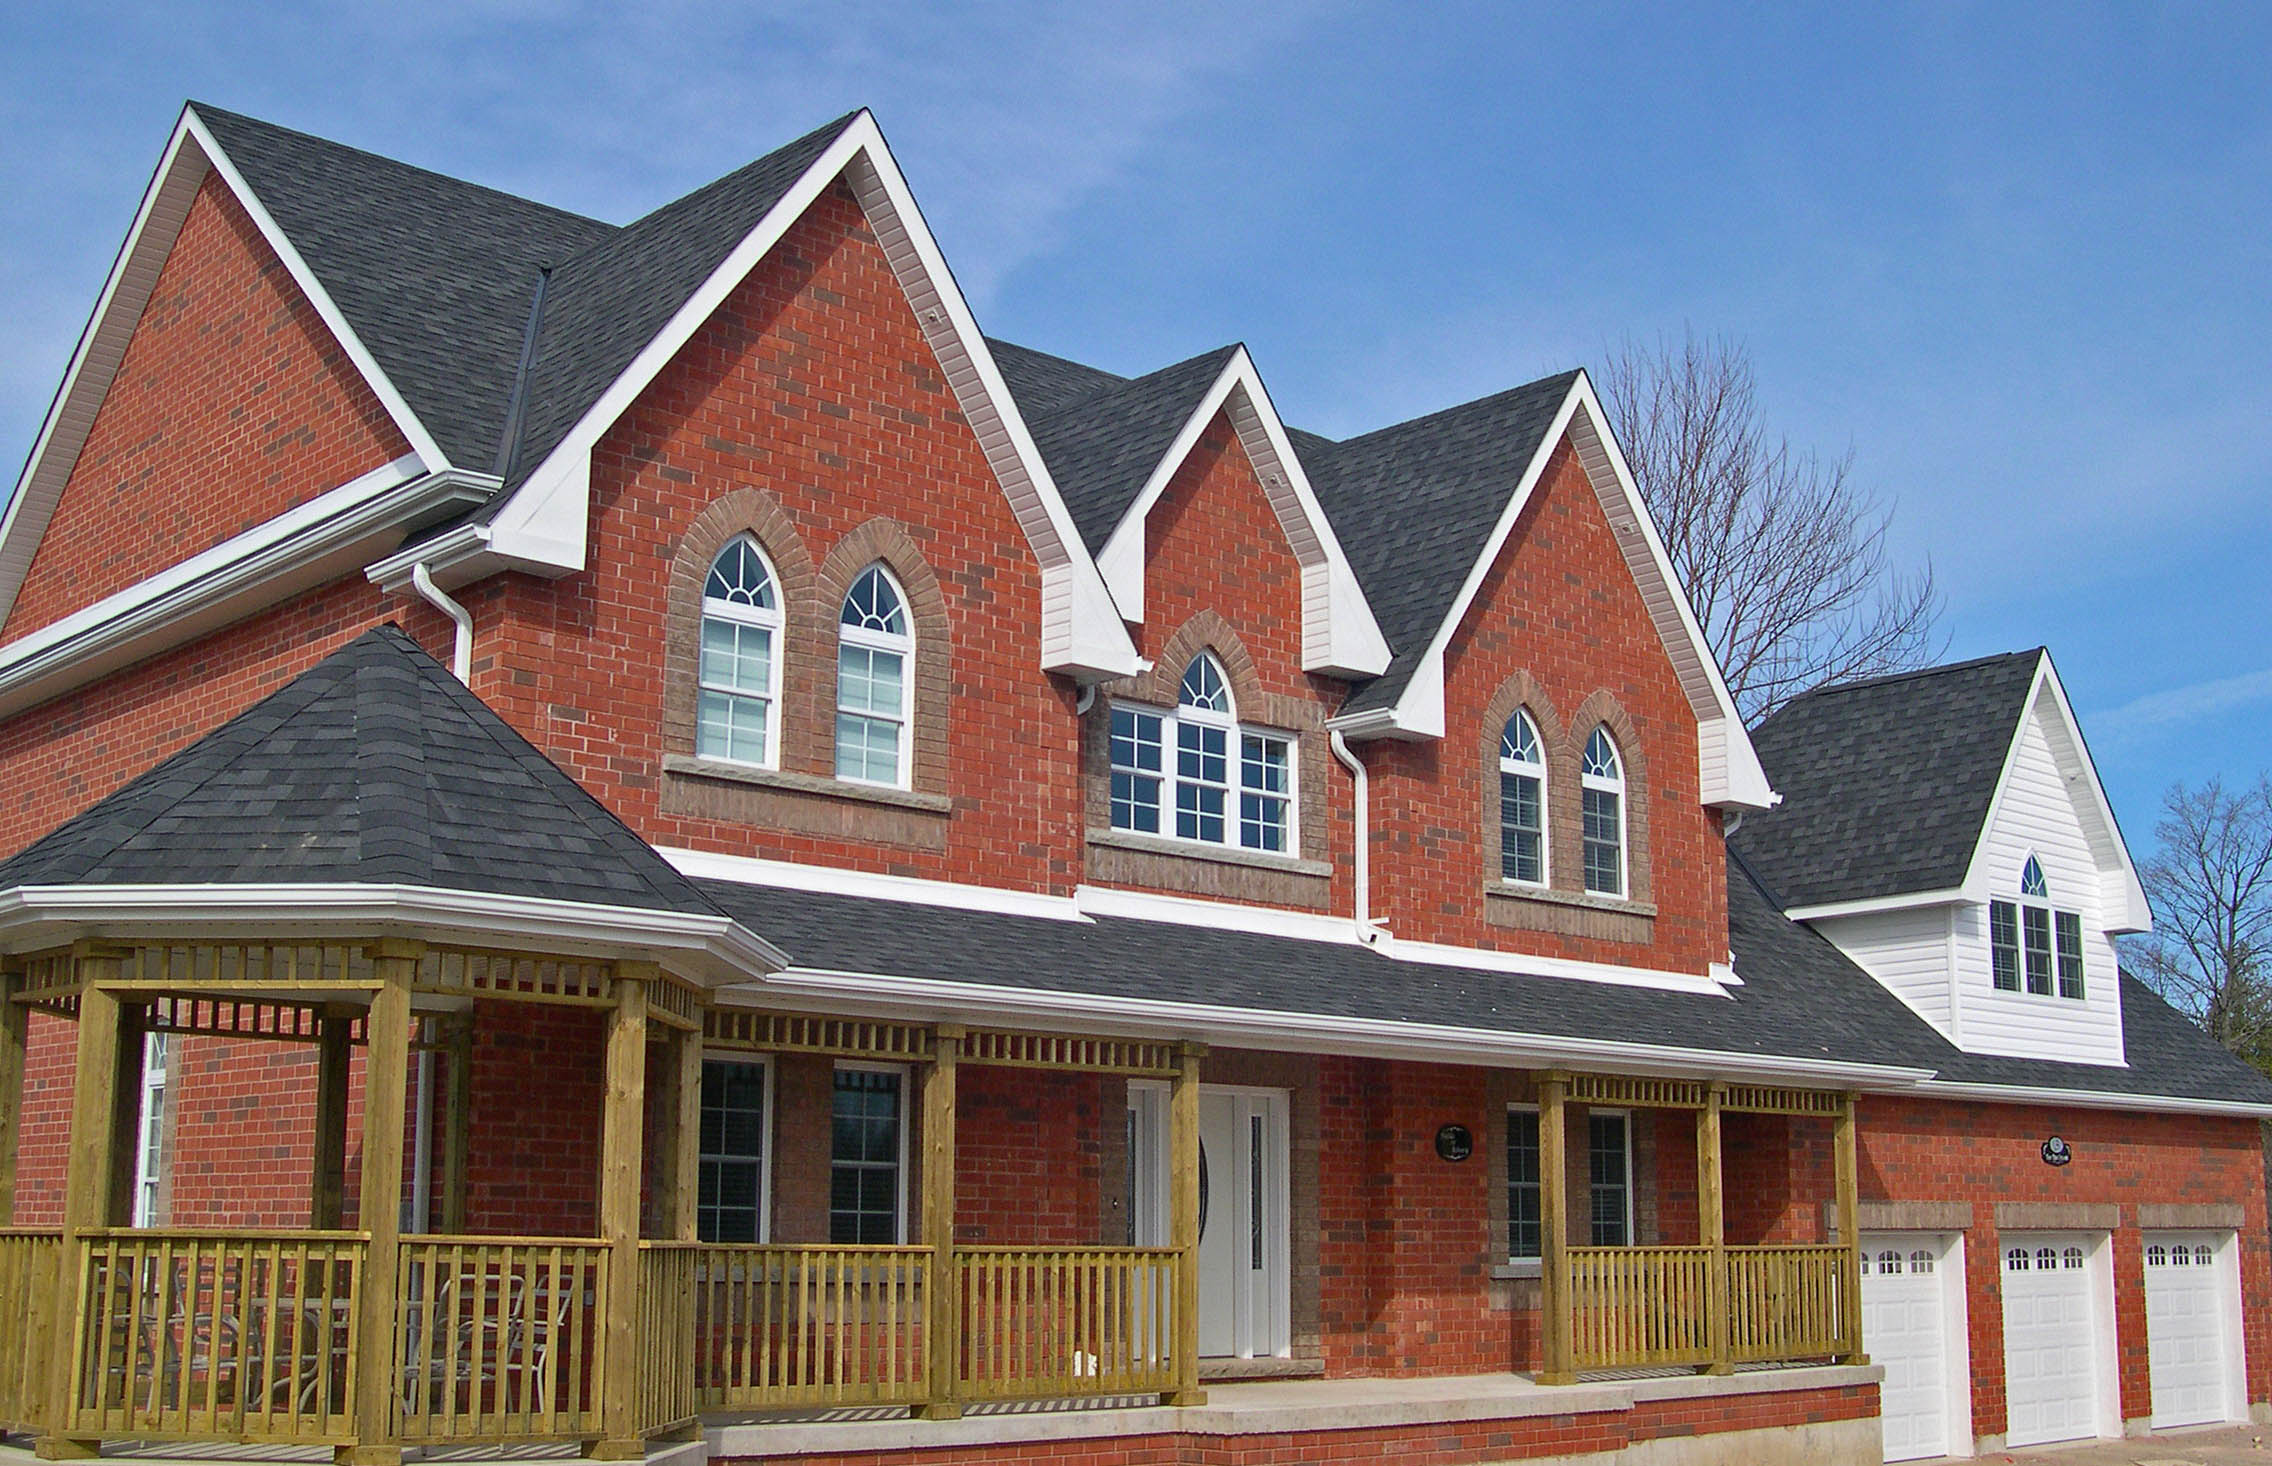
column 1135, row 740
column 1265, row 778
column 2035, row 922
column 1202, row 753
column 2070, row 925
column 2004, row 944
column 1605, row 859
column 869, row 681
column 864, row 1157
column 730, row 1184
column 873, row 604
column 867, row 748
column 1521, row 837
column 1606, row 1160
column 738, row 576
column 1522, row 1184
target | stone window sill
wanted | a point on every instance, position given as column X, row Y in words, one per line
column 686, row 766
column 1219, row 854
column 1529, row 1267
column 1581, row 900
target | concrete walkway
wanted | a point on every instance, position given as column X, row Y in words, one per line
column 2215, row 1445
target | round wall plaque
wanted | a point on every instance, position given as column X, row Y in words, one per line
column 1455, row 1143
column 2056, row 1152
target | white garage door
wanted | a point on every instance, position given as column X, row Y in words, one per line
column 2050, row 1339
column 1905, row 1328
column 2186, row 1293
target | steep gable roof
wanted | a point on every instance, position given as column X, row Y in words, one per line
column 1886, row 783
column 374, row 767
column 1103, row 444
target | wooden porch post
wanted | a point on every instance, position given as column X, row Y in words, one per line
column 942, row 1285
column 15, row 1024
column 86, row 1183
column 1711, row 1217
column 457, row 1110
column 1554, row 1233
column 126, row 1111
column 1849, row 1235
column 622, row 1140
column 386, row 1085
column 680, row 1164
column 1183, row 1185
column 327, row 1199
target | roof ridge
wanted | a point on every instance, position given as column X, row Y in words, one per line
column 1913, row 674
column 1458, row 407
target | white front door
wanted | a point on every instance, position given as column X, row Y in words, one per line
column 2051, row 1337
column 1906, row 1326
column 2187, row 1295
column 1245, row 1307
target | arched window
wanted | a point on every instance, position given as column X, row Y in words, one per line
column 1215, row 759
column 2028, row 934
column 1601, row 783
column 740, row 669
column 1522, row 802
column 875, row 652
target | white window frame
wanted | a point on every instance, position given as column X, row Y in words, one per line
column 899, row 644
column 764, row 1063
column 1533, row 769
column 1149, row 1224
column 149, row 1133
column 1617, row 786
column 1526, row 1264
column 765, row 618
column 2038, row 903
column 1169, row 779
column 906, row 1103
column 1624, row 1119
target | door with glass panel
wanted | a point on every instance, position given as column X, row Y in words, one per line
column 1244, row 1241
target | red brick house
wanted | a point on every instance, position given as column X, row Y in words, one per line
column 637, row 835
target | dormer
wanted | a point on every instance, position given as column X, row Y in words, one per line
column 1947, row 830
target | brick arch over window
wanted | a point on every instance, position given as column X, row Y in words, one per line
column 1204, row 632
column 1566, row 824
column 1524, row 692
column 804, row 620
column 887, row 542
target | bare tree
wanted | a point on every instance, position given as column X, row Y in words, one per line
column 1782, row 555
column 2210, row 952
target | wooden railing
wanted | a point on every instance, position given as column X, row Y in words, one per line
column 667, row 1280
column 784, row 1325
column 1640, row 1305
column 1652, row 1305
column 1783, row 1302
column 499, row 1337
column 28, row 1260
column 1066, row 1321
column 242, row 1336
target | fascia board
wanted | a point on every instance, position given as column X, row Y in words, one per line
column 1875, row 905
column 2139, row 913
column 786, row 875
column 542, row 527
column 721, row 948
column 2016, row 1094
column 406, row 422
column 299, row 548
column 95, row 359
column 1316, row 1033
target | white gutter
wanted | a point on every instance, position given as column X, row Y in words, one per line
column 2091, row 1099
column 461, row 655
column 1306, row 1032
column 1362, row 905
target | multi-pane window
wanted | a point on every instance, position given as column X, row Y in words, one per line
column 1197, row 774
column 150, row 1143
column 1601, row 786
column 730, row 1191
column 874, row 652
column 739, row 673
column 1522, row 802
column 865, row 1156
column 1524, row 1196
column 2027, row 937
column 1611, row 1179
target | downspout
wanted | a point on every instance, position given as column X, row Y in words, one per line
column 461, row 656
column 1366, row 931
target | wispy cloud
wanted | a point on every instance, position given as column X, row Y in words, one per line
column 2141, row 717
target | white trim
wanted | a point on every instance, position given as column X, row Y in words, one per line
column 710, row 949
column 769, row 1142
column 900, row 1219
column 1872, row 906
column 771, row 620
column 788, row 875
column 1710, row 982
column 1613, row 783
column 300, row 548
column 1339, row 635
column 542, row 526
column 1169, row 779
column 900, row 644
column 1303, row 1032
column 1728, row 767
column 1624, row 1119
column 1533, row 769
column 2029, row 1094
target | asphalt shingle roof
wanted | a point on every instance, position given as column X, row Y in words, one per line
column 1103, row 445
column 374, row 767
column 1885, row 783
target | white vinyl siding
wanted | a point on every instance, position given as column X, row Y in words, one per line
column 1908, row 951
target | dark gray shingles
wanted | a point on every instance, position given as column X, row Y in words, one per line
column 1885, row 783
column 603, row 306
column 1104, row 445
column 373, row 767
column 435, row 275
column 1040, row 381
column 1414, row 505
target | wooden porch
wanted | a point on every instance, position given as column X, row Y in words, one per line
column 367, row 1339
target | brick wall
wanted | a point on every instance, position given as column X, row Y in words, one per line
column 1919, row 1150
column 1029, row 1156
column 232, row 404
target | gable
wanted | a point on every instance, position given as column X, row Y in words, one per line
column 231, row 403
column 1212, row 542
column 2045, row 806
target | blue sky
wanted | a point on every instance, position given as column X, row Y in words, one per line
column 2017, row 259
